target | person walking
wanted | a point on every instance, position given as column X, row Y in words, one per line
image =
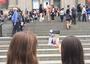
column 84, row 14
column 52, row 12
column 68, row 18
column 73, row 15
column 88, row 13
column 15, row 21
column 79, row 12
column 41, row 13
column 48, row 10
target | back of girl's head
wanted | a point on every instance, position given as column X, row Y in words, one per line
column 71, row 51
column 22, row 49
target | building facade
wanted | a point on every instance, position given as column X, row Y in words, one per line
column 34, row 4
column 3, row 4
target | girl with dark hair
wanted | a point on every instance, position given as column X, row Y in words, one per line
column 71, row 51
column 22, row 49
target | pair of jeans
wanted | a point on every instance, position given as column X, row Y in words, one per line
column 79, row 16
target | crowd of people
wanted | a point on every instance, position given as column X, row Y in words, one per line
column 69, row 16
column 23, row 46
column 23, row 49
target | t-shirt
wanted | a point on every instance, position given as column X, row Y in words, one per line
column 48, row 8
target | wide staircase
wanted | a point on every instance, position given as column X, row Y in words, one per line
column 46, row 54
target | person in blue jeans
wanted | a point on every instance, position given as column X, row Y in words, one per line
column 88, row 13
column 15, row 21
column 79, row 11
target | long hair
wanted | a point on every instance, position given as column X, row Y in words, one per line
column 72, row 51
column 22, row 49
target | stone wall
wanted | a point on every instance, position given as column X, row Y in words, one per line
column 28, row 3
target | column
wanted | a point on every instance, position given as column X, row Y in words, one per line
column 30, row 5
column 52, row 2
column 62, row 3
column 41, row 1
column 25, row 4
column 21, row 4
column 82, row 2
column 76, row 2
column 12, row 3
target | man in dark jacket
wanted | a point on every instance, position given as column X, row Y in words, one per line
column 73, row 15
column 41, row 13
column 79, row 11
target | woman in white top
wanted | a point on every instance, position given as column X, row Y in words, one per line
column 84, row 13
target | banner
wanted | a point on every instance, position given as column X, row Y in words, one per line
column 88, row 1
column 3, row 1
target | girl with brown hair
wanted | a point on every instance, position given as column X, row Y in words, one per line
column 22, row 49
column 72, row 51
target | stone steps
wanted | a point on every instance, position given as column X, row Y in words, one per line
column 46, row 54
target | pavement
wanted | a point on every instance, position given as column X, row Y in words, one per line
column 42, row 28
